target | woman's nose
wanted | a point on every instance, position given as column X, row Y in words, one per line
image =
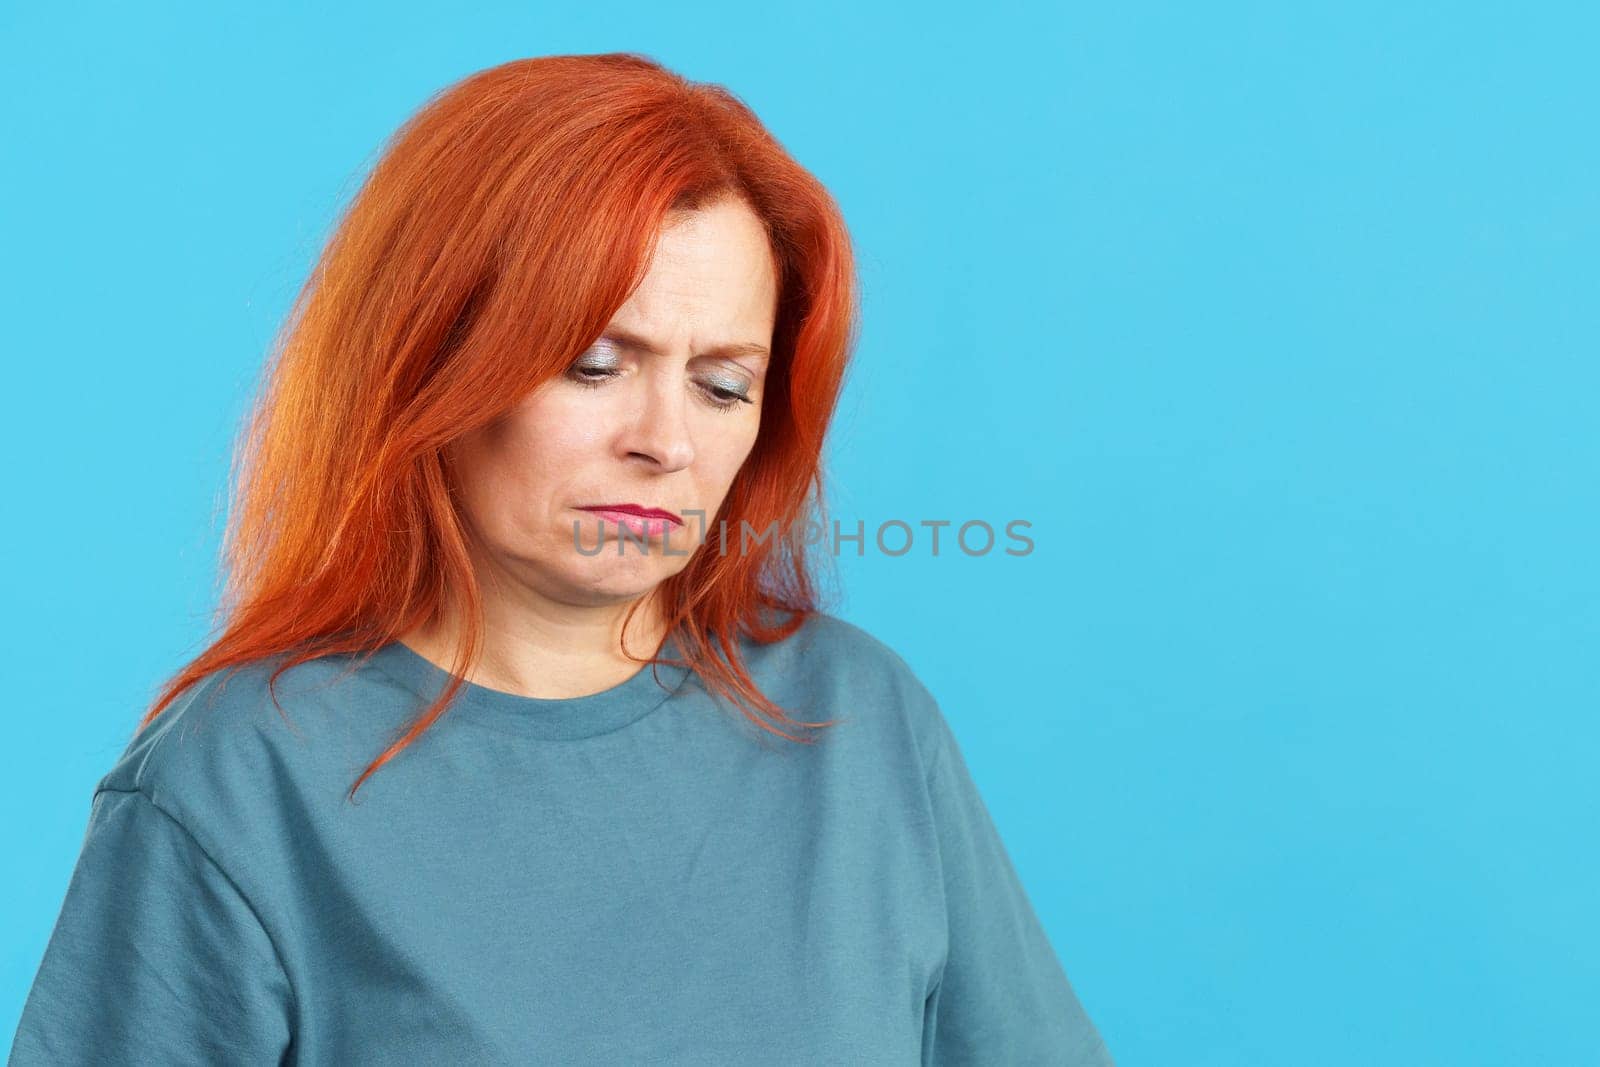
column 660, row 432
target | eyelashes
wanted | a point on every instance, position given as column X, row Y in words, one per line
column 724, row 395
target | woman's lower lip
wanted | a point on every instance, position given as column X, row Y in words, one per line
column 637, row 525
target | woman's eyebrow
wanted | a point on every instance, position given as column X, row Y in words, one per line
column 628, row 339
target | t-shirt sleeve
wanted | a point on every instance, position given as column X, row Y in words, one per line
column 1003, row 996
column 155, row 957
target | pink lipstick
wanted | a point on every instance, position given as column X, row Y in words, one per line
column 637, row 519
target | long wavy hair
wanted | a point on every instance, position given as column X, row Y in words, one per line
column 500, row 229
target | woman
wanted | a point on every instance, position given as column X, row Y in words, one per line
column 555, row 395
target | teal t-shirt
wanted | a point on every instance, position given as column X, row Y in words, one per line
column 638, row 876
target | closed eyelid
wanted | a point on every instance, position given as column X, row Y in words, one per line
column 731, row 383
column 727, row 375
column 603, row 352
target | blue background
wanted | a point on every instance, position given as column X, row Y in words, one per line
column 1278, row 323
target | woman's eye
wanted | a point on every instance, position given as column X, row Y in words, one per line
column 725, row 397
column 723, row 394
column 589, row 374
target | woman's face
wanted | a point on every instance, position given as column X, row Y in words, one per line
column 660, row 412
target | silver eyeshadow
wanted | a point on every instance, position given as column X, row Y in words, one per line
column 598, row 359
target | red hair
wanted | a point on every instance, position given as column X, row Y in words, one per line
column 502, row 227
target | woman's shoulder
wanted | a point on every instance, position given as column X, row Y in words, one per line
column 841, row 663
column 847, row 646
column 231, row 739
